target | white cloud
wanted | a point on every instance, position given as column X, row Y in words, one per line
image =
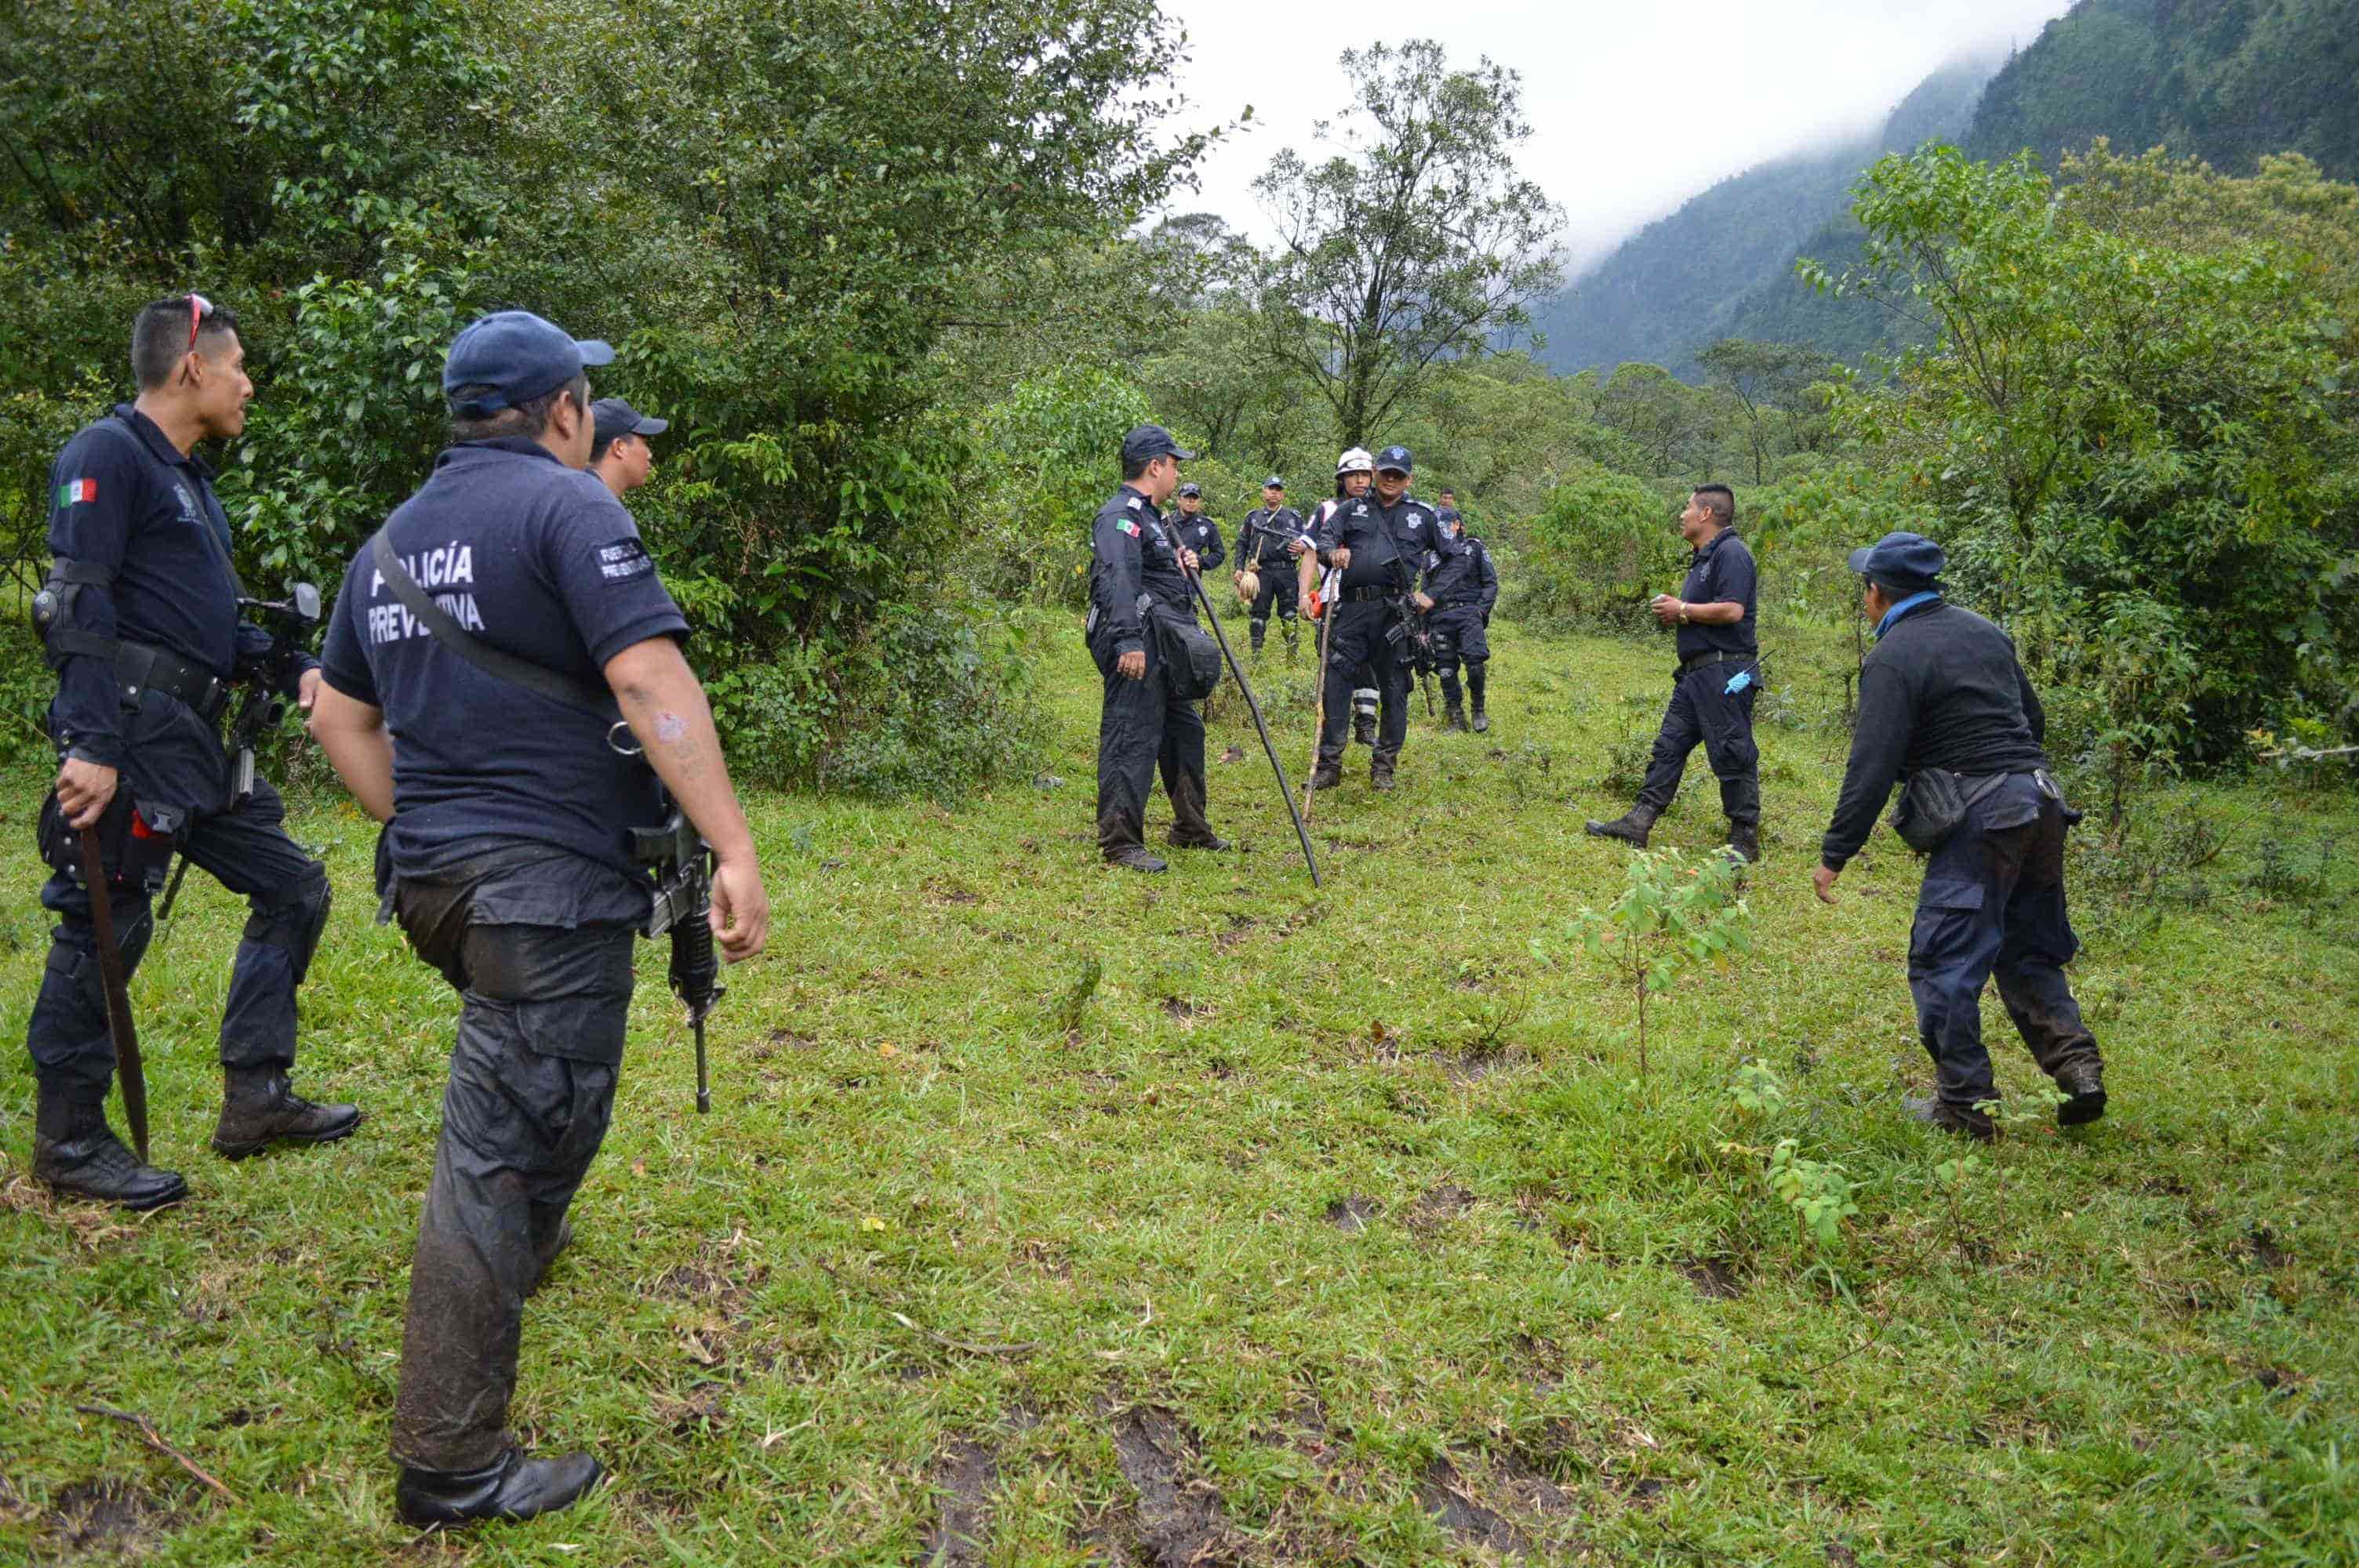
column 1636, row 107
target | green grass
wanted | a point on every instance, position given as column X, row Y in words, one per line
column 1573, row 1320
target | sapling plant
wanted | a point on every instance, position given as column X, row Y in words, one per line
column 1818, row 1192
column 1673, row 914
column 2033, row 1108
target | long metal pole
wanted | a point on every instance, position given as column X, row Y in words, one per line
column 1196, row 580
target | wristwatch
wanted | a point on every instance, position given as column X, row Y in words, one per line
column 1683, row 611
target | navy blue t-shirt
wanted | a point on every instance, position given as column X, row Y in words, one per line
column 1720, row 573
column 540, row 561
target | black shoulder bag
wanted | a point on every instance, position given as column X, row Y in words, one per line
column 1934, row 804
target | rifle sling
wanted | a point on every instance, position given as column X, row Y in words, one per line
column 497, row 663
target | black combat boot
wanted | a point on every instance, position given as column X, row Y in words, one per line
column 1138, row 857
column 1482, row 719
column 1364, row 729
column 2085, row 1082
column 1454, row 717
column 1380, row 774
column 1744, row 841
column 511, row 1488
column 77, row 1154
column 1949, row 1117
column 1631, row 827
column 1326, row 775
column 258, row 1109
column 1210, row 841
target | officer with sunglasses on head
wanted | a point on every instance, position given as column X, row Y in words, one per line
column 141, row 621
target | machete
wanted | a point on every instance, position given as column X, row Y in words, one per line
column 128, row 1068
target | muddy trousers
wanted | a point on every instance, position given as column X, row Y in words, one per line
column 1703, row 712
column 1993, row 907
column 531, row 1089
column 1279, row 592
column 247, row 851
column 1146, row 727
column 1357, row 640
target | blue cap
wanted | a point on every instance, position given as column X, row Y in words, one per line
column 1192, row 489
column 1147, row 443
column 519, row 356
column 1272, row 483
column 1904, row 563
column 1395, row 458
column 614, row 419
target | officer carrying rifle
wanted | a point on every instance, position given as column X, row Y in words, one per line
column 504, row 691
column 141, row 621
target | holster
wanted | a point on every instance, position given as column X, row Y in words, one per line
column 134, row 845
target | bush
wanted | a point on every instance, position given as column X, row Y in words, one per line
column 1604, row 545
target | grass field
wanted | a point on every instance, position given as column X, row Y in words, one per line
column 1050, row 1215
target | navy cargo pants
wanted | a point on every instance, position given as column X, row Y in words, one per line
column 541, row 1021
column 1992, row 906
column 177, row 770
column 1704, row 712
column 1362, row 656
column 1146, row 725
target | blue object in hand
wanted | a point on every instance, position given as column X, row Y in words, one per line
column 1743, row 679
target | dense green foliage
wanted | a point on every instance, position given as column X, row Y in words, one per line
column 780, row 218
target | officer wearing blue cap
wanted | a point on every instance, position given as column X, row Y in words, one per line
column 1945, row 706
column 141, row 621
column 1383, row 543
column 619, row 453
column 1137, row 594
column 504, row 859
column 1465, row 585
column 1269, row 543
column 1197, row 530
column 1714, row 687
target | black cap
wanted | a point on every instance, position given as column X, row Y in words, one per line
column 1272, row 483
column 1902, row 563
column 1149, row 442
column 616, row 418
column 519, row 356
column 1395, row 460
column 1191, row 489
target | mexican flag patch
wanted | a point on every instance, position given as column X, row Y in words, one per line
column 1130, row 528
column 77, row 490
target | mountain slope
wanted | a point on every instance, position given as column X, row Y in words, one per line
column 1673, row 288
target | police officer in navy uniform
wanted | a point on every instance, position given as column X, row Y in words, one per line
column 1383, row 543
column 506, row 860
column 1465, row 586
column 1135, row 568
column 620, row 453
column 142, row 626
column 1942, row 689
column 1718, row 678
column 1268, row 542
column 1196, row 529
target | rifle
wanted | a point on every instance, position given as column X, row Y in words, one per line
column 289, row 621
column 682, row 863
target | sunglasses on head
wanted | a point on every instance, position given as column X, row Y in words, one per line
column 198, row 309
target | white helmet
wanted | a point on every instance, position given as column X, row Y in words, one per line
column 1356, row 460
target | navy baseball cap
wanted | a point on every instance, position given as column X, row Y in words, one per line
column 1149, row 442
column 519, row 356
column 1272, row 483
column 1192, row 489
column 1905, row 563
column 616, row 418
column 1395, row 460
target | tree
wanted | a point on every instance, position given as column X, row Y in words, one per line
column 1419, row 244
column 1772, row 385
column 1672, row 426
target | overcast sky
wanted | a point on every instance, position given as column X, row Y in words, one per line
column 1636, row 106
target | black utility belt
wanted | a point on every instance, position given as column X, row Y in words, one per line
column 139, row 669
column 1459, row 604
column 1715, row 658
column 1365, row 595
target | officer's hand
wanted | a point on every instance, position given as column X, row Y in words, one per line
column 1666, row 609
column 741, row 909
column 1296, row 546
column 1423, row 600
column 83, row 790
column 1340, row 557
column 307, row 690
column 1132, row 666
column 1187, row 559
column 1823, row 881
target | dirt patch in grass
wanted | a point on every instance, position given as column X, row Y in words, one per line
column 105, row 1520
column 1178, row 1522
column 1439, row 1207
column 1442, row 1492
column 1351, row 1215
column 1714, row 1279
column 700, row 1410
column 962, row 1477
column 2260, row 1248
